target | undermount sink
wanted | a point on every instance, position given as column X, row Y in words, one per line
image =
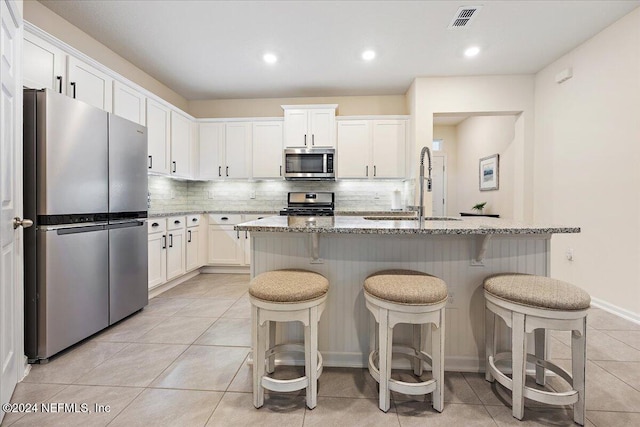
column 409, row 218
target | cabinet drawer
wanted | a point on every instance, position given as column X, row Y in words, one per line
column 157, row 225
column 254, row 217
column 223, row 219
column 176, row 222
column 194, row 220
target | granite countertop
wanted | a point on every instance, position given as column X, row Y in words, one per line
column 360, row 225
column 271, row 212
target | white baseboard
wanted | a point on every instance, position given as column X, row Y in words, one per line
column 229, row 269
column 154, row 292
column 618, row 311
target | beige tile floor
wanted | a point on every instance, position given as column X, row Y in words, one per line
column 182, row 362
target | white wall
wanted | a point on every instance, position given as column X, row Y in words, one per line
column 479, row 137
column 479, row 95
column 587, row 173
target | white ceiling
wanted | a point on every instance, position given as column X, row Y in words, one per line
column 213, row 49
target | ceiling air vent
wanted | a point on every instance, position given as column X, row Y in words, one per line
column 464, row 16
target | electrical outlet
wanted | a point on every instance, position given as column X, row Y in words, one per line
column 569, row 254
column 252, row 194
column 211, row 194
column 450, row 299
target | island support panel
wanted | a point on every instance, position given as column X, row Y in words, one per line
column 347, row 259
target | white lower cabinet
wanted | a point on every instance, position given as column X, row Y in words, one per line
column 176, row 247
column 167, row 249
column 196, row 242
column 157, row 251
column 226, row 246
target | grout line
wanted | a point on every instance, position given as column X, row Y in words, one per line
column 614, row 375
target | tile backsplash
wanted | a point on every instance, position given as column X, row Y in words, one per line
column 168, row 194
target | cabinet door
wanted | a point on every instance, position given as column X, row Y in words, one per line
column 180, row 145
column 176, row 251
column 158, row 128
column 267, row 149
column 354, row 149
column 224, row 245
column 211, row 147
column 89, row 85
column 295, row 128
column 322, row 128
column 389, row 144
column 237, row 150
column 129, row 103
column 193, row 248
column 157, row 259
column 43, row 64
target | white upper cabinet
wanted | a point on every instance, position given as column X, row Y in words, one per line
column 354, row 149
column 129, row 103
column 267, row 149
column 389, row 147
column 44, row 64
column 309, row 125
column 225, row 150
column 180, row 145
column 211, row 144
column 89, row 84
column 371, row 148
column 158, row 134
column 238, row 149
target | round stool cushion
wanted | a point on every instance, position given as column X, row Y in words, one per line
column 288, row 286
column 537, row 291
column 406, row 287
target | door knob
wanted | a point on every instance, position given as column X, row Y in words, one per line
column 25, row 223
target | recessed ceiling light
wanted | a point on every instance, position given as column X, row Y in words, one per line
column 270, row 58
column 472, row 51
column 368, row 55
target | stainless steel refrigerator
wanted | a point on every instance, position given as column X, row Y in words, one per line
column 85, row 184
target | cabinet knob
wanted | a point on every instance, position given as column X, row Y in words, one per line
column 176, row 221
column 194, row 219
column 224, row 218
column 155, row 224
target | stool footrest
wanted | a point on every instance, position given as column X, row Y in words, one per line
column 423, row 387
column 554, row 398
column 292, row 384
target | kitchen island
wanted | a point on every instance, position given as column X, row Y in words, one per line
column 461, row 251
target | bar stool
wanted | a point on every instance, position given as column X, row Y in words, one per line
column 406, row 296
column 527, row 304
column 286, row 296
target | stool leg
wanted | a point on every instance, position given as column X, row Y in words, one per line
column 417, row 346
column 311, row 357
column 489, row 339
column 539, row 336
column 271, row 361
column 385, row 353
column 373, row 334
column 519, row 357
column 437, row 357
column 578, row 368
column 258, row 346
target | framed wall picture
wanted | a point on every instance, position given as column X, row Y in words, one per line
column 489, row 172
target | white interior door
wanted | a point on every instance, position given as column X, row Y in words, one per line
column 439, row 184
column 11, row 302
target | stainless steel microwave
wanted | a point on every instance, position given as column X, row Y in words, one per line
column 315, row 163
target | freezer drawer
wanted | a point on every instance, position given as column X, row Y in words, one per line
column 73, row 287
column 128, row 271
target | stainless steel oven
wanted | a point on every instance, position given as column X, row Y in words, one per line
column 309, row 163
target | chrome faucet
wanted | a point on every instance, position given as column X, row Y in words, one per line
column 421, row 206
